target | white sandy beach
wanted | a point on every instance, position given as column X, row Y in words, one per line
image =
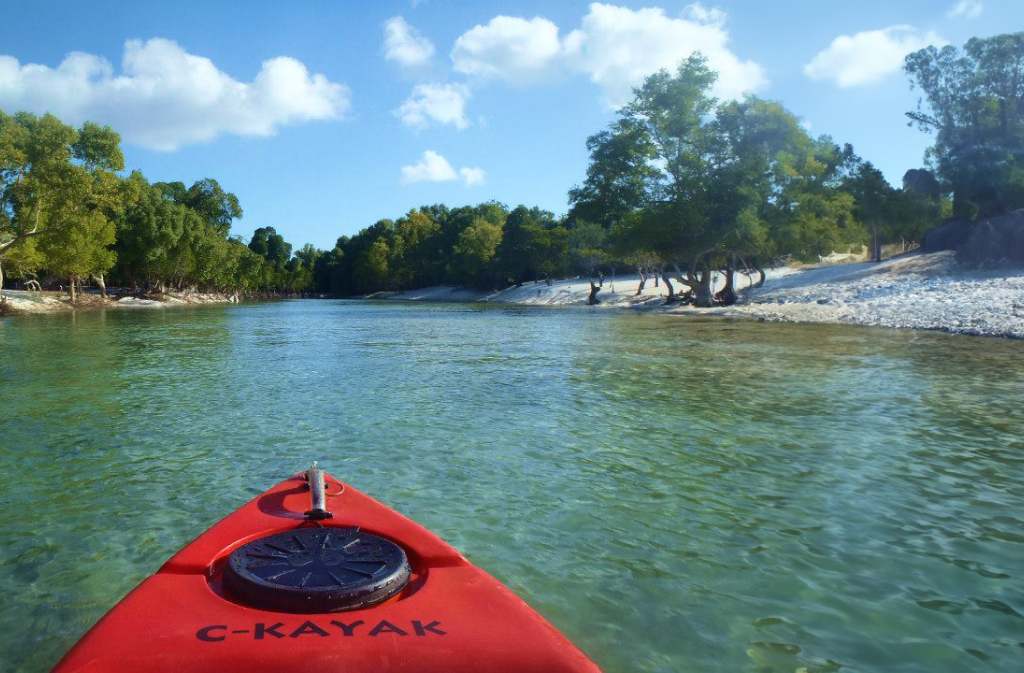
column 928, row 291
column 921, row 291
column 21, row 301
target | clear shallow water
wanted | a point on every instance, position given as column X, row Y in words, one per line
column 674, row 494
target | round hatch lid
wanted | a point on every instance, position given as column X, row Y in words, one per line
column 316, row 570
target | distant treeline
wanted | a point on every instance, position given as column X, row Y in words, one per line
column 66, row 214
column 680, row 185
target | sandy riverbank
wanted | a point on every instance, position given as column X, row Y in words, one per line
column 921, row 291
column 20, row 301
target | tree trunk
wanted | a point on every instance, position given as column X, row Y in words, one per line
column 102, row 283
column 643, row 280
column 760, row 276
column 727, row 295
column 699, row 283
column 594, row 289
column 71, row 289
column 1, row 280
column 671, row 290
column 8, row 244
column 702, row 296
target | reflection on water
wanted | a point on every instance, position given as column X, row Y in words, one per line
column 675, row 494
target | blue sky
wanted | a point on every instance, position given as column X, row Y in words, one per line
column 336, row 135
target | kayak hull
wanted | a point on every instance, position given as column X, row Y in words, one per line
column 451, row 616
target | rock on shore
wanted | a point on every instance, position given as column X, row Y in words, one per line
column 918, row 290
column 922, row 291
column 20, row 301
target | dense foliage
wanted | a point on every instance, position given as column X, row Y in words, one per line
column 687, row 186
column 974, row 105
column 679, row 185
column 66, row 213
column 481, row 246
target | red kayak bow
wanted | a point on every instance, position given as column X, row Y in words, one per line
column 314, row 575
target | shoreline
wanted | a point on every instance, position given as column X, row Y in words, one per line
column 24, row 302
column 928, row 291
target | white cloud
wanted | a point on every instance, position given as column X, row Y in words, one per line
column 868, row 56
column 616, row 47
column 701, row 14
column 968, row 9
column 472, row 175
column 440, row 103
column 507, row 48
column 404, row 44
column 432, row 167
column 166, row 97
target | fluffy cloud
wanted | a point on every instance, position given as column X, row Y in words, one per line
column 472, row 175
column 702, row 14
column 968, row 9
column 853, row 60
column 508, row 48
column 440, row 103
column 166, row 97
column 432, row 167
column 616, row 47
column 404, row 44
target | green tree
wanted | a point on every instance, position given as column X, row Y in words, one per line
column 80, row 248
column 216, row 206
column 35, row 153
column 372, row 267
column 421, row 262
column 925, row 202
column 301, row 268
column 620, row 168
column 974, row 105
column 58, row 183
column 533, row 246
column 722, row 184
column 587, row 247
column 270, row 245
column 149, row 236
column 475, row 248
column 876, row 205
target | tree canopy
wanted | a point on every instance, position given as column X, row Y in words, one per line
column 973, row 103
column 683, row 180
column 66, row 212
column 679, row 185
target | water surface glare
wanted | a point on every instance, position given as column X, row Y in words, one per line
column 676, row 495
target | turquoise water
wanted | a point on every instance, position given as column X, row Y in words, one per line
column 676, row 495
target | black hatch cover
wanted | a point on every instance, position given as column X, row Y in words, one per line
column 316, row 569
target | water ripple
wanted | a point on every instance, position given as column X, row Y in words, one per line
column 676, row 495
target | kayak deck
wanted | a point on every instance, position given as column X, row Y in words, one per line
column 450, row 615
